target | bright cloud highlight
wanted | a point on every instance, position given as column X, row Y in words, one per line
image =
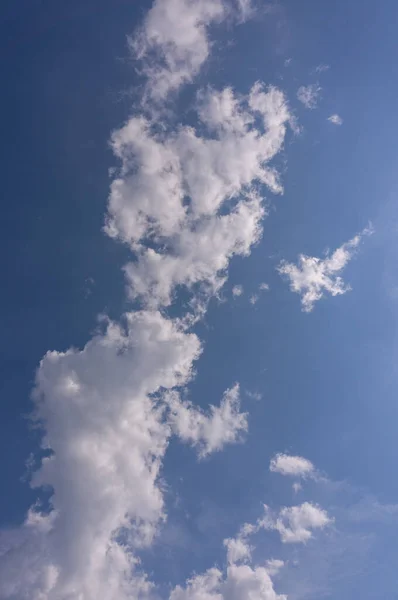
column 295, row 466
column 313, row 277
column 335, row 119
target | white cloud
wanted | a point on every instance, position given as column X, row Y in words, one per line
column 239, row 583
column 321, row 68
column 199, row 256
column 246, row 9
column 108, row 438
column 335, row 119
column 108, row 410
column 108, row 434
column 253, row 395
column 315, row 276
column 173, row 43
column 274, row 565
column 237, row 550
column 309, row 95
column 159, row 171
column 237, row 290
column 242, row 580
column 224, row 424
column 148, row 201
column 295, row 466
column 296, row 523
column 254, row 299
column 297, row 487
column 264, row 287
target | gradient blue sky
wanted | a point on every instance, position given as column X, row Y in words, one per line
column 327, row 378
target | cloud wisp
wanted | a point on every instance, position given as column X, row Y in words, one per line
column 309, row 95
column 335, row 119
column 313, row 277
column 237, row 291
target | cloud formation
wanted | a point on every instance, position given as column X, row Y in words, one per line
column 313, row 277
column 335, row 119
column 241, row 579
column 321, row 68
column 192, row 241
column 295, row 524
column 237, row 290
column 309, row 95
column 185, row 200
column 107, row 439
column 239, row 583
column 209, row 433
column 294, row 466
column 173, row 43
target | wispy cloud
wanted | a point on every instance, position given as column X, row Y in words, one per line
column 335, row 119
column 237, row 290
column 197, row 243
column 209, row 433
column 309, row 95
column 313, row 277
column 321, row 68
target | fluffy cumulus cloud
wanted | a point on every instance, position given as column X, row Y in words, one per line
column 184, row 201
column 224, row 424
column 313, row 277
column 173, row 43
column 108, row 435
column 295, row 524
column 199, row 256
column 240, row 580
column 295, row 466
column 309, row 95
column 107, row 438
column 335, row 119
column 192, row 242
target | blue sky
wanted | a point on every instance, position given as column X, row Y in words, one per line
column 148, row 118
